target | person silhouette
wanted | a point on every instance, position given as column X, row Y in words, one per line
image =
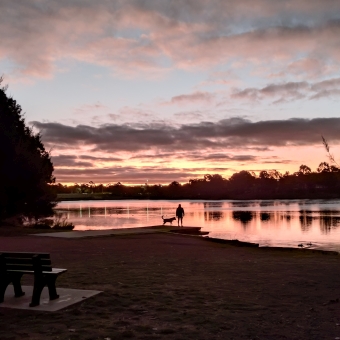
column 180, row 214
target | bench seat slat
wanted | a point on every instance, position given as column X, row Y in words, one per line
column 54, row 271
column 11, row 260
column 26, row 267
column 25, row 255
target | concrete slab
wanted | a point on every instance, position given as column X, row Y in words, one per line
column 92, row 233
column 122, row 231
column 67, row 297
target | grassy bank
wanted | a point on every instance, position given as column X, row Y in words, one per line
column 175, row 287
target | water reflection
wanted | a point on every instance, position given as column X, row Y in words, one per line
column 244, row 216
column 213, row 215
column 266, row 203
column 306, row 220
column 287, row 217
column 216, row 204
column 243, row 204
column 329, row 220
column 265, row 217
column 278, row 222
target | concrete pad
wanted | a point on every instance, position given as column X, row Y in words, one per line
column 92, row 233
column 67, row 297
column 121, row 231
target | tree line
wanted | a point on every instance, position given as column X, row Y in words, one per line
column 305, row 183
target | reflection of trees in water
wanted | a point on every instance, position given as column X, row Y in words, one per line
column 265, row 217
column 287, row 217
column 109, row 211
column 243, row 216
column 86, row 211
column 305, row 222
column 213, row 204
column 266, row 203
column 326, row 224
column 243, row 204
column 328, row 221
column 213, row 215
column 100, row 211
column 329, row 212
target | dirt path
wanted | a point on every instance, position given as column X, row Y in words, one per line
column 176, row 287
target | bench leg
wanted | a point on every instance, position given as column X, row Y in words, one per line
column 51, row 287
column 3, row 286
column 16, row 280
column 39, row 285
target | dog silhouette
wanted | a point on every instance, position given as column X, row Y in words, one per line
column 165, row 220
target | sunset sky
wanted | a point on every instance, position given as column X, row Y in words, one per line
column 168, row 90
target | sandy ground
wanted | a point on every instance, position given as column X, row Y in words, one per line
column 163, row 286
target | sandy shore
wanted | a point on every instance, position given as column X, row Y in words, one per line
column 162, row 286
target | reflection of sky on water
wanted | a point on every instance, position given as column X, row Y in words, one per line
column 270, row 222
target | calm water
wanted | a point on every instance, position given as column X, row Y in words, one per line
column 267, row 222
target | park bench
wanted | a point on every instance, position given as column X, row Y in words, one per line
column 13, row 265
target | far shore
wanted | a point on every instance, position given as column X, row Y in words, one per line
column 109, row 196
column 168, row 286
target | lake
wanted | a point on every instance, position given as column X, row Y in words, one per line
column 313, row 223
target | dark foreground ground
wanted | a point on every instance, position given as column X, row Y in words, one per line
column 178, row 287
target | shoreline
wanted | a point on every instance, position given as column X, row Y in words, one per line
column 18, row 231
column 13, row 231
column 103, row 197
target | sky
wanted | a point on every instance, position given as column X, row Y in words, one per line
column 155, row 91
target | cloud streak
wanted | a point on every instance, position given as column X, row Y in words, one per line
column 131, row 175
column 228, row 133
column 291, row 91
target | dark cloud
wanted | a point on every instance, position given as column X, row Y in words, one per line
column 70, row 161
column 80, row 161
column 101, row 159
column 283, row 161
column 158, row 157
column 124, row 175
column 228, row 133
column 220, row 157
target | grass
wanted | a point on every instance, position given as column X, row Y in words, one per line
column 57, row 223
column 172, row 287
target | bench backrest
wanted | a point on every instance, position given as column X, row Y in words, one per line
column 37, row 262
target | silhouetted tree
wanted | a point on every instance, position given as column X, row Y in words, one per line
column 26, row 169
column 264, row 174
column 324, row 167
column 304, row 170
column 242, row 184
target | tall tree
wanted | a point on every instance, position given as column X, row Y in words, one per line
column 26, row 169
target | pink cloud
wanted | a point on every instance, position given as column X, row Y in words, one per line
column 131, row 37
column 193, row 98
column 290, row 91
